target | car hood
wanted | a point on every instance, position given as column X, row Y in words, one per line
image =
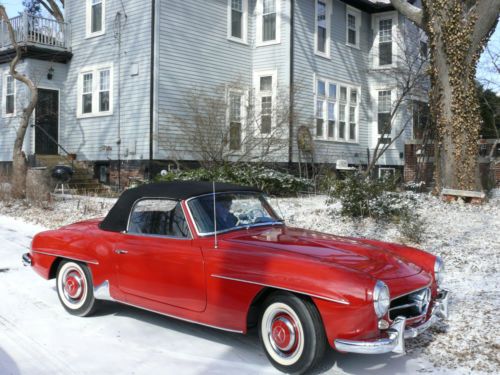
column 379, row 261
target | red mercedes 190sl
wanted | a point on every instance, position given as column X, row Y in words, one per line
column 219, row 255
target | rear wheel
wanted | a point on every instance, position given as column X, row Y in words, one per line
column 292, row 333
column 75, row 288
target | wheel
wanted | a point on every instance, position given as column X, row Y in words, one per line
column 292, row 333
column 75, row 288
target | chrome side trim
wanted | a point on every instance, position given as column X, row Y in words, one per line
column 101, row 292
column 65, row 257
column 179, row 318
column 26, row 260
column 343, row 302
column 397, row 332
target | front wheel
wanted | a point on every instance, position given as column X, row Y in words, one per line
column 292, row 333
column 75, row 288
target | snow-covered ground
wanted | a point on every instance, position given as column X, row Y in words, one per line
column 38, row 337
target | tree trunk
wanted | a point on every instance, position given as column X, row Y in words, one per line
column 454, row 102
column 19, row 164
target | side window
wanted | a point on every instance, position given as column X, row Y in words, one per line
column 158, row 217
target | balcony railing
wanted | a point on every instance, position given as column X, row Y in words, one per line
column 36, row 31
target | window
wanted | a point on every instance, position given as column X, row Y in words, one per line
column 421, row 118
column 353, row 23
column 95, row 88
column 158, row 217
column 87, row 93
column 266, row 96
column 424, row 50
column 95, row 17
column 268, row 22
column 9, row 89
column 385, row 42
column 384, row 172
column 322, row 35
column 104, row 88
column 238, row 20
column 327, row 107
column 384, row 127
column 236, row 101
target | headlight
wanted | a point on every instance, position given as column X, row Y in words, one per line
column 381, row 298
column 439, row 271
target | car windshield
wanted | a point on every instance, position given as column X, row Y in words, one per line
column 232, row 210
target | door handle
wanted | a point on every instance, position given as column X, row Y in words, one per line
column 121, row 251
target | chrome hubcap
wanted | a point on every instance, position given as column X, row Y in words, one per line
column 73, row 285
column 284, row 336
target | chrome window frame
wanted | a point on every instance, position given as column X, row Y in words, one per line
column 206, row 234
column 126, row 231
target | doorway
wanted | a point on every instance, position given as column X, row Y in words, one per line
column 47, row 122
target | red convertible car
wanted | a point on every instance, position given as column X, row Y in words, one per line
column 219, row 255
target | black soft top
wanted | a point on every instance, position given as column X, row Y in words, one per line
column 117, row 218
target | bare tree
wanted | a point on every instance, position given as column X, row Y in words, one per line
column 409, row 80
column 458, row 31
column 54, row 7
column 19, row 164
column 224, row 125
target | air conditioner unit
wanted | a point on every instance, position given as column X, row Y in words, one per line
column 343, row 165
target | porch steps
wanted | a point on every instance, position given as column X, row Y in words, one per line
column 82, row 182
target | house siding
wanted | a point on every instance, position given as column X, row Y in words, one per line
column 96, row 138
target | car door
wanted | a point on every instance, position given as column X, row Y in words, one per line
column 156, row 259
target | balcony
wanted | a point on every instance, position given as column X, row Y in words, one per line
column 39, row 37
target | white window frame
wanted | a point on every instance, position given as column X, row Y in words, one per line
column 95, row 70
column 244, row 24
column 374, row 97
column 243, row 116
column 326, row 53
column 88, row 28
column 336, row 101
column 357, row 15
column 258, row 99
column 259, row 13
column 4, row 95
column 376, row 18
column 380, row 169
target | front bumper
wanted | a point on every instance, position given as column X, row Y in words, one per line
column 397, row 332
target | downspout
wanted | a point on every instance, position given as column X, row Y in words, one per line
column 292, row 88
column 152, row 89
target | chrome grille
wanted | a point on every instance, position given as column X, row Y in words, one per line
column 410, row 305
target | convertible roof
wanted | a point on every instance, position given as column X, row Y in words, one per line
column 117, row 218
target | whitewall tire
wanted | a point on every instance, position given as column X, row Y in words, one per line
column 75, row 288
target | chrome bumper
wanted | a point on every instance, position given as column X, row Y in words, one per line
column 397, row 332
column 27, row 259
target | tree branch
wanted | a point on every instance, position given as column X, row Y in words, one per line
column 487, row 12
column 411, row 12
column 58, row 14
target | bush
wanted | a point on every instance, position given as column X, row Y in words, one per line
column 271, row 181
column 362, row 197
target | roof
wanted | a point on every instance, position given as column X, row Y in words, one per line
column 117, row 218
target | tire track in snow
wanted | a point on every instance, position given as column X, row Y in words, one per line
column 29, row 352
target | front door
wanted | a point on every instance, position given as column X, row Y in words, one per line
column 47, row 122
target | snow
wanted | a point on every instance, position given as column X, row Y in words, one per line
column 37, row 336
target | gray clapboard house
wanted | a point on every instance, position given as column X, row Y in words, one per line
column 114, row 77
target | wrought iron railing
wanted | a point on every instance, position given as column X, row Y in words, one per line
column 35, row 30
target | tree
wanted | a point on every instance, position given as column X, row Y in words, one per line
column 223, row 125
column 458, row 31
column 410, row 80
column 19, row 164
column 53, row 7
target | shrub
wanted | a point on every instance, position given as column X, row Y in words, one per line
column 269, row 180
column 362, row 197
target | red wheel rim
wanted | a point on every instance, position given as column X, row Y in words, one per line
column 73, row 285
column 284, row 335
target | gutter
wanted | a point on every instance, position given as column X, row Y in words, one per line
column 292, row 88
column 152, row 88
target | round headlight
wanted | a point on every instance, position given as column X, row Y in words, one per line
column 439, row 271
column 381, row 298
